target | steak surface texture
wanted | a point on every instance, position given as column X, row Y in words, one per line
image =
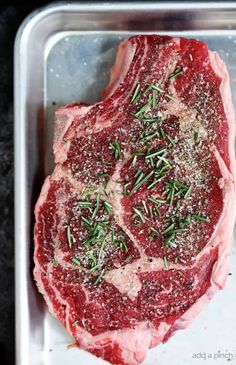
column 133, row 227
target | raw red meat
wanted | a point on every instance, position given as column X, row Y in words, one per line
column 133, row 227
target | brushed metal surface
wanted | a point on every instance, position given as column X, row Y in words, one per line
column 63, row 53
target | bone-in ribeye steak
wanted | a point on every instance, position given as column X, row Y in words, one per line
column 133, row 226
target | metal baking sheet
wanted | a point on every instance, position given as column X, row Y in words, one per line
column 63, row 53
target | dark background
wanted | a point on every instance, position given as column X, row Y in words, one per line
column 11, row 16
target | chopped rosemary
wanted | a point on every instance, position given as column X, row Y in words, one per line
column 134, row 161
column 172, row 143
column 153, row 232
column 69, row 236
column 151, row 212
column 154, row 182
column 160, row 90
column 92, row 258
column 150, row 120
column 156, row 211
column 116, row 148
column 166, row 264
column 106, row 178
column 107, row 206
column 196, row 136
column 137, row 173
column 104, row 174
column 125, row 246
column 169, row 241
column 176, row 73
column 200, row 217
column 85, row 204
column 143, row 109
column 150, row 136
column 122, row 244
column 171, row 194
column 162, row 170
column 163, row 135
column 99, row 233
column 147, row 89
column 157, row 201
column 168, row 229
column 94, row 268
column 140, row 214
column 145, row 206
column 157, row 153
column 163, row 159
column 175, row 188
column 154, row 99
column 170, row 97
column 105, row 225
column 124, row 186
column 91, row 239
column 180, row 184
column 83, row 322
column 86, row 222
column 124, row 189
column 136, row 94
column 143, row 180
column 55, row 262
column 185, row 222
column 75, row 323
column 138, row 153
column 140, row 176
column 96, row 207
column 188, row 192
column 99, row 277
column 157, row 88
column 76, row 261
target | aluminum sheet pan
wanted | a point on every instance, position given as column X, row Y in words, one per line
column 64, row 53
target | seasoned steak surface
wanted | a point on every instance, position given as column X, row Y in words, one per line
column 133, row 226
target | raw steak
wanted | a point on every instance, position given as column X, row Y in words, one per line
column 134, row 225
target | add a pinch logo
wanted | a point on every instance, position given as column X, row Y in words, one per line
column 219, row 355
